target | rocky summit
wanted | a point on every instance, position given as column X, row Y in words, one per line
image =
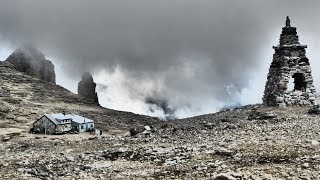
column 87, row 88
column 250, row 142
column 31, row 61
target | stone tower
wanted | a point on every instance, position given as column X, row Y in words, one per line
column 289, row 62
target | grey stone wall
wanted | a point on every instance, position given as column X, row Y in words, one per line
column 290, row 62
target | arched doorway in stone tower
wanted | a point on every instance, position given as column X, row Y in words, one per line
column 299, row 82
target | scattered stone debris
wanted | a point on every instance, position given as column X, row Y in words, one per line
column 285, row 149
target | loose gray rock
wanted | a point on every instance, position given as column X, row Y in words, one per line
column 305, row 165
column 223, row 176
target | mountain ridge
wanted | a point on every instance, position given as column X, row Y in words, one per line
column 30, row 93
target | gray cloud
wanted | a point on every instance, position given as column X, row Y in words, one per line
column 192, row 51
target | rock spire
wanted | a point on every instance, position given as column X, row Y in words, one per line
column 290, row 62
column 87, row 87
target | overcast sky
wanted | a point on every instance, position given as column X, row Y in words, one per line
column 195, row 56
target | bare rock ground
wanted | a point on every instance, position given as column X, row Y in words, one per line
column 251, row 142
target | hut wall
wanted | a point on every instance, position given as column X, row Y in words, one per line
column 45, row 126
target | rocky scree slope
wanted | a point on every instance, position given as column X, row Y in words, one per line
column 251, row 142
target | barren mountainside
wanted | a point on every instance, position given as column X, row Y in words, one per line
column 250, row 142
column 24, row 98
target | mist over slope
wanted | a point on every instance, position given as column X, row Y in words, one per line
column 24, row 98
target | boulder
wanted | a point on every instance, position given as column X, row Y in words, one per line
column 255, row 115
column 31, row 61
column 136, row 131
column 315, row 109
column 223, row 176
column 87, row 87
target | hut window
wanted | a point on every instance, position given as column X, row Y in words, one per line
column 81, row 127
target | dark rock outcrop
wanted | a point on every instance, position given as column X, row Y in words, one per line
column 315, row 109
column 87, row 88
column 31, row 61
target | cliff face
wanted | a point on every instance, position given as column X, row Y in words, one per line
column 87, row 87
column 33, row 62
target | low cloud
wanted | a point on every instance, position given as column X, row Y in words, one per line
column 196, row 56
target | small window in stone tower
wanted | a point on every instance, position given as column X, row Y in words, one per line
column 299, row 82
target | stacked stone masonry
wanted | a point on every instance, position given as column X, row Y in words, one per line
column 290, row 62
